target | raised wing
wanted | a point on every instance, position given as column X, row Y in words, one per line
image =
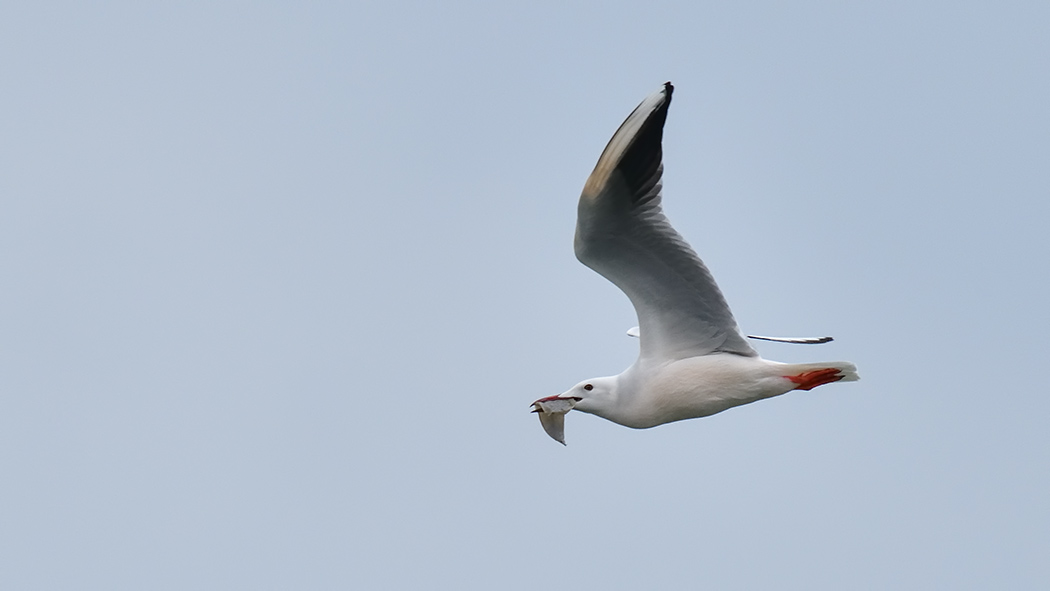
column 622, row 233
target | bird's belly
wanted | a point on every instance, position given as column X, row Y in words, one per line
column 703, row 386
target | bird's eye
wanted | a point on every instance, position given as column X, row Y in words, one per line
column 588, row 387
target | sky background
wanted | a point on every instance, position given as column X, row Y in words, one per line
column 280, row 281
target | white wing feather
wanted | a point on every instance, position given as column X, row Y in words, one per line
column 622, row 233
column 635, row 332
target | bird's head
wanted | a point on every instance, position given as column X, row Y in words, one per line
column 587, row 396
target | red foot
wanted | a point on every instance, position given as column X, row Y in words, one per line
column 812, row 379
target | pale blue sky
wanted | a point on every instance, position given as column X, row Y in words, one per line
column 281, row 280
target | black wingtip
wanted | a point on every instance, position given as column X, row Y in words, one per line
column 635, row 150
column 641, row 162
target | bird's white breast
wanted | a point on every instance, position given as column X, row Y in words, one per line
column 698, row 387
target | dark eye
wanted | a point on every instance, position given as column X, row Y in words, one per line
column 588, row 387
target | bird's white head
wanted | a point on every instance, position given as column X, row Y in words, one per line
column 588, row 396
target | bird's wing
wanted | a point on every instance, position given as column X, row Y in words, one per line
column 622, row 233
column 794, row 340
column 636, row 332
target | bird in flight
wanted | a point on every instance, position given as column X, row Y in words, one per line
column 693, row 360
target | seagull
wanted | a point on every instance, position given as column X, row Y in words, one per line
column 693, row 360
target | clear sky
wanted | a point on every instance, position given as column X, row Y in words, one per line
column 280, row 281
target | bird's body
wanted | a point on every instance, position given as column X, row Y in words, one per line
column 693, row 360
column 648, row 394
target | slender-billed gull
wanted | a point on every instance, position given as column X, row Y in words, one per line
column 693, row 360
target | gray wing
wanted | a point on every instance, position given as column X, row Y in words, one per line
column 622, row 233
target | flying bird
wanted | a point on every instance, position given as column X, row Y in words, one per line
column 693, row 360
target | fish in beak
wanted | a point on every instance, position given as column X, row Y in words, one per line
column 551, row 411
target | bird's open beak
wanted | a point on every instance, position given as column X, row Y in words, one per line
column 551, row 411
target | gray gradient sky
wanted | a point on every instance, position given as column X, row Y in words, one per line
column 280, row 281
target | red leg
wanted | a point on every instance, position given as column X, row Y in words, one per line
column 812, row 379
